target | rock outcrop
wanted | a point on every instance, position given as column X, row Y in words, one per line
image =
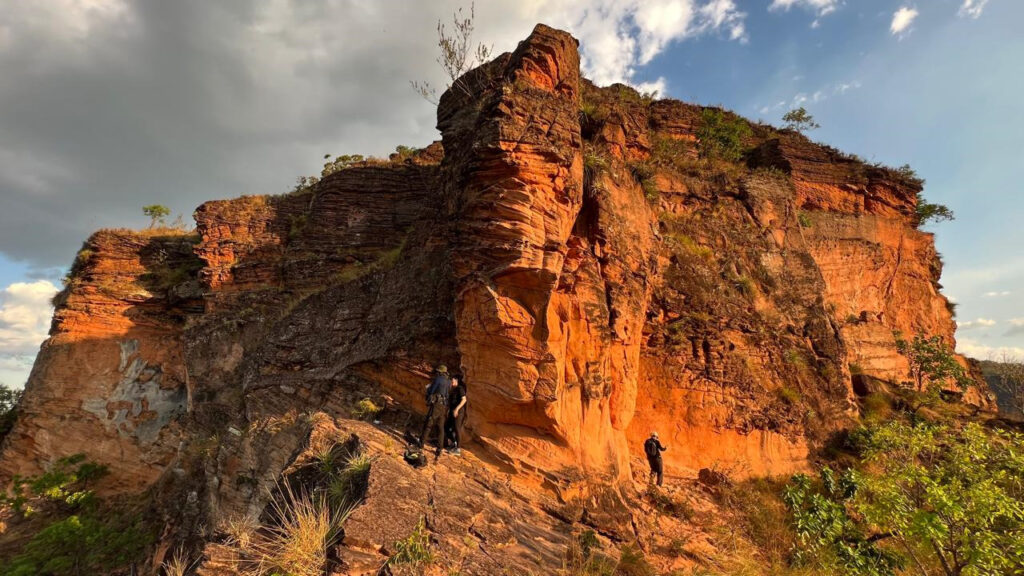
column 570, row 248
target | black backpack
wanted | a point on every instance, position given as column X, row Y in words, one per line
column 651, row 448
column 415, row 457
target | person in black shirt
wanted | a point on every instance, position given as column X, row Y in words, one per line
column 437, row 407
column 653, row 450
column 456, row 414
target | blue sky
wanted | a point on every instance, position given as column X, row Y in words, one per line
column 110, row 105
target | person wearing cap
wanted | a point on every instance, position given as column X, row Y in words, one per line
column 653, row 450
column 437, row 407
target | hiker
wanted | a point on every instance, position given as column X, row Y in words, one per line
column 437, row 407
column 456, row 413
column 653, row 450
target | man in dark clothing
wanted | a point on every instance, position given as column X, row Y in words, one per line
column 653, row 450
column 456, row 413
column 437, row 407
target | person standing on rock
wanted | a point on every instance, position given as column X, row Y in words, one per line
column 653, row 450
column 456, row 413
column 437, row 407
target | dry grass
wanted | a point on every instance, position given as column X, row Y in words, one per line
column 178, row 564
column 296, row 543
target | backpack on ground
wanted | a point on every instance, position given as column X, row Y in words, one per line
column 415, row 457
column 651, row 448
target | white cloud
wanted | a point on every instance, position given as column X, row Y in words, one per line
column 997, row 294
column 975, row 349
column 25, row 312
column 617, row 37
column 1016, row 327
column 802, row 98
column 820, row 7
column 972, row 8
column 972, row 324
column 901, row 20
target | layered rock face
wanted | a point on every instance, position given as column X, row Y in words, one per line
column 573, row 250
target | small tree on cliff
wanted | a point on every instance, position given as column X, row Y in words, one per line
column 458, row 54
column 930, row 212
column 157, row 213
column 799, row 120
column 933, row 365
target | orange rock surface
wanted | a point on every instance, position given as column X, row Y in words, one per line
column 593, row 275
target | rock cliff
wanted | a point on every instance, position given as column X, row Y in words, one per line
column 581, row 254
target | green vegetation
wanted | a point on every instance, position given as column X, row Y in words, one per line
column 296, row 541
column 157, row 214
column 78, row 545
column 85, row 539
column 9, row 399
column 929, row 499
column 584, row 558
column 67, row 484
column 933, row 365
column 721, row 135
column 414, row 551
column 804, row 220
column 403, row 153
column 798, row 119
column 928, row 212
column 365, row 409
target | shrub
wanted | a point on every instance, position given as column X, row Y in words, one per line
column 788, row 395
column 632, row 562
column 66, row 484
column 350, row 484
column 938, row 495
column 80, row 544
column 721, row 135
column 9, row 399
column 414, row 551
column 804, row 220
column 365, row 409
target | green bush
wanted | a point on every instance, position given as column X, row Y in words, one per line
column 9, row 399
column 415, row 550
column 722, row 135
column 78, row 545
column 943, row 496
column 66, row 483
column 804, row 220
column 365, row 409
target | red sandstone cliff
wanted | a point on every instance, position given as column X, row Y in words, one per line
column 593, row 276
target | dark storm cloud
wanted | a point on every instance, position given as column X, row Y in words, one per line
column 114, row 106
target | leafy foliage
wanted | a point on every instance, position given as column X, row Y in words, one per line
column 157, row 214
column 721, row 135
column 9, row 399
column 415, row 550
column 929, row 212
column 932, row 364
column 798, row 119
column 80, row 544
column 936, row 498
column 66, row 484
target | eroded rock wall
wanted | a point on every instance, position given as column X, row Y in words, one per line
column 573, row 249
